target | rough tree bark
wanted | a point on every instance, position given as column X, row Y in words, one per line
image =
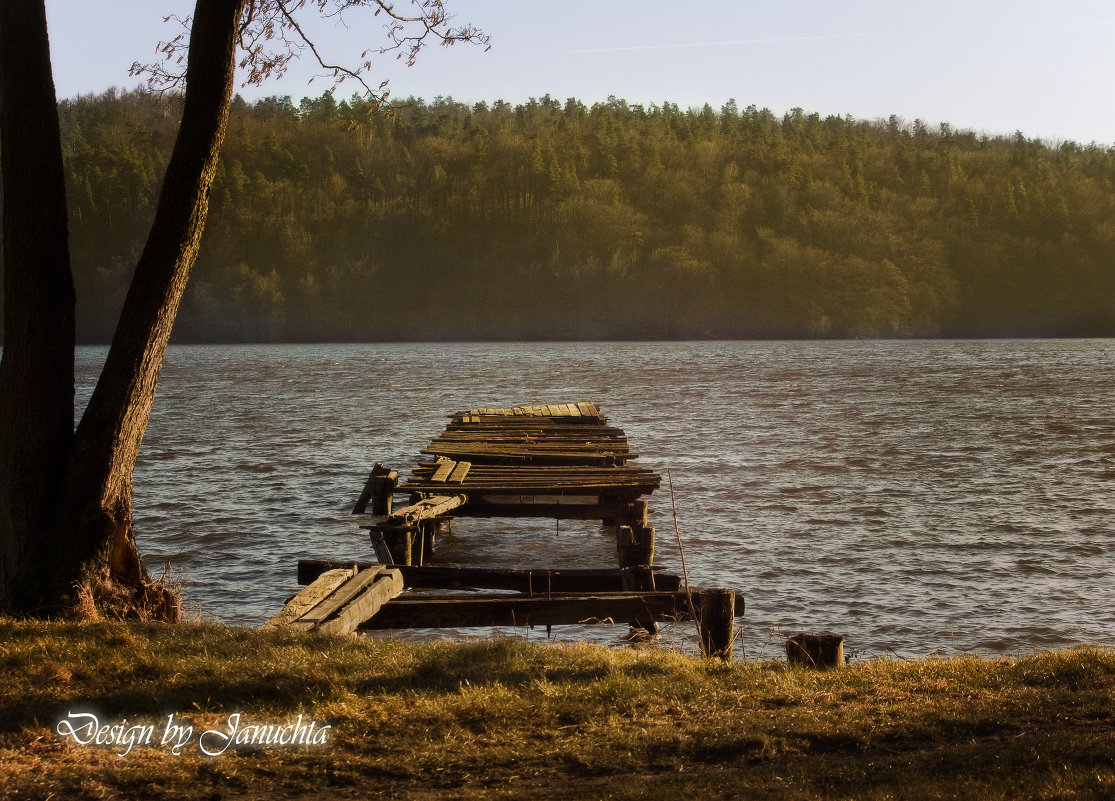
column 86, row 489
column 94, row 514
column 37, row 370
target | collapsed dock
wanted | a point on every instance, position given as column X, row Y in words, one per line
column 561, row 461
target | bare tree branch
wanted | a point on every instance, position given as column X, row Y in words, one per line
column 272, row 36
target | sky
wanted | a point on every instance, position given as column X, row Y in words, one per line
column 991, row 66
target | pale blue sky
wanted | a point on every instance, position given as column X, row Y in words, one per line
column 987, row 65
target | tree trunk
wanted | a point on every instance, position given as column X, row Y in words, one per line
column 95, row 515
column 37, row 369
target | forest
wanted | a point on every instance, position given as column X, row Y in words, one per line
column 332, row 221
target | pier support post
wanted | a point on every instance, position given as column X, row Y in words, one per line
column 635, row 545
column 378, row 491
column 394, row 546
column 379, row 544
column 383, row 490
column 425, row 538
column 716, row 618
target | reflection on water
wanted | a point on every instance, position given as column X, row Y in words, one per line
column 913, row 496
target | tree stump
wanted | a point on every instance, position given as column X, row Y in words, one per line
column 815, row 650
column 716, row 618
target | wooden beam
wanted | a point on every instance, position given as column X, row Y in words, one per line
column 502, row 610
column 320, row 588
column 635, row 545
column 534, row 581
column 337, row 599
column 602, row 511
column 426, row 509
column 378, row 490
column 386, row 585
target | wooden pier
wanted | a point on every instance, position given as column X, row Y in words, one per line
column 560, row 461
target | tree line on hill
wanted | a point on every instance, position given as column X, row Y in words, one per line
column 551, row 220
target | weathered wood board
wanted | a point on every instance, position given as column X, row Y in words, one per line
column 311, row 596
column 340, row 599
column 539, row 581
column 640, row 608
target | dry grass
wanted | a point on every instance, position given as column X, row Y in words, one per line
column 505, row 719
column 101, row 597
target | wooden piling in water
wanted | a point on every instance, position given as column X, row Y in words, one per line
column 378, row 491
column 716, row 616
column 635, row 545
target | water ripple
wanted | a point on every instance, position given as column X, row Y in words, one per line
column 916, row 497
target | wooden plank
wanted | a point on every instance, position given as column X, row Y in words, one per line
column 605, row 511
column 573, row 410
column 532, row 581
column 337, row 599
column 537, row 458
column 387, row 584
column 307, row 599
column 553, row 410
column 427, row 508
column 640, row 608
column 588, row 409
column 540, row 582
column 553, row 485
column 551, row 500
column 459, row 472
column 443, row 471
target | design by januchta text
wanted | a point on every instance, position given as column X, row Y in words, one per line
column 86, row 728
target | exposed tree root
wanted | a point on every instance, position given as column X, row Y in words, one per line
column 102, row 596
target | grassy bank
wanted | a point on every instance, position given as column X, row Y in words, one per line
column 508, row 719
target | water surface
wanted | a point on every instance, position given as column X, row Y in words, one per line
column 915, row 497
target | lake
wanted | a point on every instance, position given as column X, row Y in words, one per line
column 916, row 497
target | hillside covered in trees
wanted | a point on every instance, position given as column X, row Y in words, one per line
column 554, row 220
